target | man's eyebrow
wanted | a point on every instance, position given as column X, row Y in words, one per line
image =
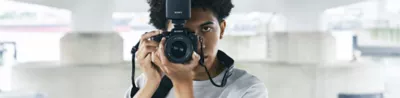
column 206, row 23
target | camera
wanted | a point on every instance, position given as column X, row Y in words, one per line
column 180, row 42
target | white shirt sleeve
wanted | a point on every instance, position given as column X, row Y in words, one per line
column 256, row 91
column 128, row 93
column 139, row 81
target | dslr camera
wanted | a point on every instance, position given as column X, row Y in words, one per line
column 180, row 42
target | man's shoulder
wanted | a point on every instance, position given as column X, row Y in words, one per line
column 243, row 79
column 243, row 74
column 244, row 84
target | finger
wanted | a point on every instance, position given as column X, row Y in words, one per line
column 150, row 34
column 142, row 53
column 146, row 59
column 147, row 43
column 163, row 58
column 195, row 61
column 145, row 51
column 155, row 59
column 155, row 67
column 161, row 53
column 162, row 66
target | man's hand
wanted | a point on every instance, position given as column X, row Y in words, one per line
column 180, row 74
column 144, row 55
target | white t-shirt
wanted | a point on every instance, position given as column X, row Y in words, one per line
column 239, row 85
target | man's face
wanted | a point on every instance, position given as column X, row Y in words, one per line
column 205, row 24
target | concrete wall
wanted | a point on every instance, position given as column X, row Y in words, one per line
column 311, row 81
column 303, row 47
column 282, row 80
column 392, row 83
column 91, row 48
column 55, row 81
column 29, row 50
column 245, row 47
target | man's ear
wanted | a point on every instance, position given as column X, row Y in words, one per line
column 222, row 26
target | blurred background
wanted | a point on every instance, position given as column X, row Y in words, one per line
column 298, row 48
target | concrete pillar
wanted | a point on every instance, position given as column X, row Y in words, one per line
column 303, row 41
column 381, row 9
column 306, row 45
column 87, row 17
column 92, row 39
column 382, row 15
column 303, row 21
column 93, row 43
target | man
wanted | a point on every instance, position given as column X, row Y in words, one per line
column 191, row 80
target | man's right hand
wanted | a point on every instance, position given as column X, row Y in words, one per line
column 145, row 56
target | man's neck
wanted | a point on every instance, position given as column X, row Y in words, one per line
column 215, row 70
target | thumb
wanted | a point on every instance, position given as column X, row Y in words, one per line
column 195, row 60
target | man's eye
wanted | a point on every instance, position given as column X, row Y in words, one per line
column 206, row 29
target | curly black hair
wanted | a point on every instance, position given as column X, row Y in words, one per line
column 220, row 8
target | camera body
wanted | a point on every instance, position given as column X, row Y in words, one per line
column 180, row 42
column 179, row 45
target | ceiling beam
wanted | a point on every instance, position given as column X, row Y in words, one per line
column 240, row 5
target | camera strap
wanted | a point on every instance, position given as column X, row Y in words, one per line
column 224, row 60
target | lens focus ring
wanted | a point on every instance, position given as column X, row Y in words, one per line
column 178, row 48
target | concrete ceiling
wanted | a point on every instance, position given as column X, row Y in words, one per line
column 240, row 5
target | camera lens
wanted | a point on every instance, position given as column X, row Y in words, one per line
column 178, row 49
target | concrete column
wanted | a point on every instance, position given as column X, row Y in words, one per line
column 306, row 45
column 381, row 9
column 87, row 17
column 303, row 21
column 92, row 40
column 303, row 41
column 92, row 43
